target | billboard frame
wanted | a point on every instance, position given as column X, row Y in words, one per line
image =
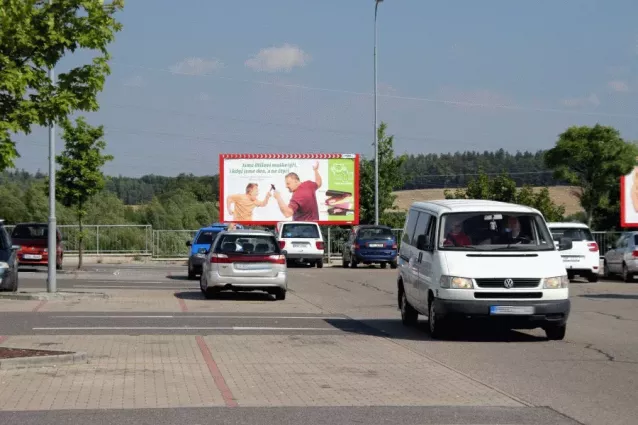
column 355, row 156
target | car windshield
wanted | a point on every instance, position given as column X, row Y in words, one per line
column 300, row 230
column 248, row 244
column 206, row 237
column 375, row 233
column 493, row 231
column 22, row 231
column 575, row 234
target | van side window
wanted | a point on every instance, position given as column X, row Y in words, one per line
column 431, row 232
column 421, row 226
column 408, row 231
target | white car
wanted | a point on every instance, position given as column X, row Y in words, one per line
column 302, row 242
column 584, row 258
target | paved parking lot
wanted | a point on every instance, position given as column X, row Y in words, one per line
column 333, row 347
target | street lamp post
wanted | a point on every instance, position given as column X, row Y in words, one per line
column 376, row 131
column 52, row 245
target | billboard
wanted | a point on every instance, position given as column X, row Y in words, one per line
column 264, row 189
column 629, row 199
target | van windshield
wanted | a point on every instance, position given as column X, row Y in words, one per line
column 493, row 231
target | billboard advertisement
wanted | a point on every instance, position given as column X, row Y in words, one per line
column 629, row 199
column 264, row 189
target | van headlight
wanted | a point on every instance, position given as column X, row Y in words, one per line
column 455, row 282
column 558, row 282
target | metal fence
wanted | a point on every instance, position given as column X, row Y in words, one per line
column 144, row 240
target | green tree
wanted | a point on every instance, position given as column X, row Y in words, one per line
column 34, row 36
column 390, row 178
column 502, row 188
column 592, row 158
column 80, row 176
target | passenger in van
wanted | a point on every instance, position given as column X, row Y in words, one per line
column 456, row 236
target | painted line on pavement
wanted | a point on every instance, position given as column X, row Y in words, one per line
column 39, row 306
column 179, row 328
column 182, row 304
column 220, row 382
column 204, row 317
column 135, row 287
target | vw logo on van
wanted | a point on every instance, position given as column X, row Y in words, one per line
column 508, row 283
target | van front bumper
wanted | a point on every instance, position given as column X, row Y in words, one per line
column 554, row 312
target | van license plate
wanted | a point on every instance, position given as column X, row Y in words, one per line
column 511, row 310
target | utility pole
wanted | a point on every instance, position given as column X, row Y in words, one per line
column 52, row 250
column 376, row 129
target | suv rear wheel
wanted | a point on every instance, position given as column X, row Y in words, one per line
column 593, row 277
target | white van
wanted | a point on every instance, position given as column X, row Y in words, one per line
column 302, row 241
column 482, row 259
column 584, row 258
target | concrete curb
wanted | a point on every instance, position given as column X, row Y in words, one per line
column 43, row 361
column 46, row 296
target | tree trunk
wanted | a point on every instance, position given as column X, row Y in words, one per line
column 590, row 216
column 81, row 241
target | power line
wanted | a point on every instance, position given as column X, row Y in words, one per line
column 387, row 96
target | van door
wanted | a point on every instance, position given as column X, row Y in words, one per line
column 426, row 263
column 408, row 256
column 419, row 230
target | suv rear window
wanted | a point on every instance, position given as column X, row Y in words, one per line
column 206, row 238
column 247, row 244
column 300, row 230
column 575, row 234
column 375, row 233
column 22, row 231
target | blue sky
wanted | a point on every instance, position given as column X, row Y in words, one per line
column 196, row 78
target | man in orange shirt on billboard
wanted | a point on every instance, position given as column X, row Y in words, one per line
column 245, row 203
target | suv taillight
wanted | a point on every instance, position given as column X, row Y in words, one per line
column 634, row 254
column 593, row 246
column 282, row 244
column 319, row 244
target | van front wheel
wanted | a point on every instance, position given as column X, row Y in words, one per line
column 436, row 325
column 556, row 333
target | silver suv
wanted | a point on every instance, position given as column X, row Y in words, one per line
column 245, row 260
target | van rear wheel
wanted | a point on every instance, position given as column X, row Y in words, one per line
column 409, row 316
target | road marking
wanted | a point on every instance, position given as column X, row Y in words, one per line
column 220, row 382
column 135, row 287
column 3, row 338
column 204, row 317
column 39, row 306
column 179, row 328
column 182, row 305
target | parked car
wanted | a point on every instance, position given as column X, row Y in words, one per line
column 370, row 244
column 584, row 258
column 622, row 259
column 478, row 259
column 200, row 245
column 8, row 261
column 33, row 241
column 245, row 260
column 302, row 241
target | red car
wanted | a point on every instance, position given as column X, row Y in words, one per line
column 32, row 238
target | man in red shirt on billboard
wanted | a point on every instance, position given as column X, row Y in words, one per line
column 303, row 203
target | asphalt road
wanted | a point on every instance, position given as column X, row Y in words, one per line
column 591, row 377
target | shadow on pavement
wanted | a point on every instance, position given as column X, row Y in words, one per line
column 466, row 332
column 182, row 278
column 226, row 296
column 611, row 296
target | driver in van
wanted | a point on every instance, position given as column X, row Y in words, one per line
column 456, row 236
column 514, row 230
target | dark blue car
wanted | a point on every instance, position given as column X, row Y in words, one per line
column 200, row 245
column 370, row 244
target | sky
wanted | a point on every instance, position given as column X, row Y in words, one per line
column 197, row 78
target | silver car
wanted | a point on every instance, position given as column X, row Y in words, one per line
column 245, row 260
column 622, row 259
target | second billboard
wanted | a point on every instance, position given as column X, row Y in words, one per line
column 269, row 188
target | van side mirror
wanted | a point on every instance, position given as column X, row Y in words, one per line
column 422, row 243
column 564, row 244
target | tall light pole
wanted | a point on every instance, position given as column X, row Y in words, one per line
column 376, row 132
column 52, row 246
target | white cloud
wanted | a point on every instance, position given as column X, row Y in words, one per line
column 135, row 81
column 277, row 59
column 574, row 102
column 196, row 66
column 619, row 86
